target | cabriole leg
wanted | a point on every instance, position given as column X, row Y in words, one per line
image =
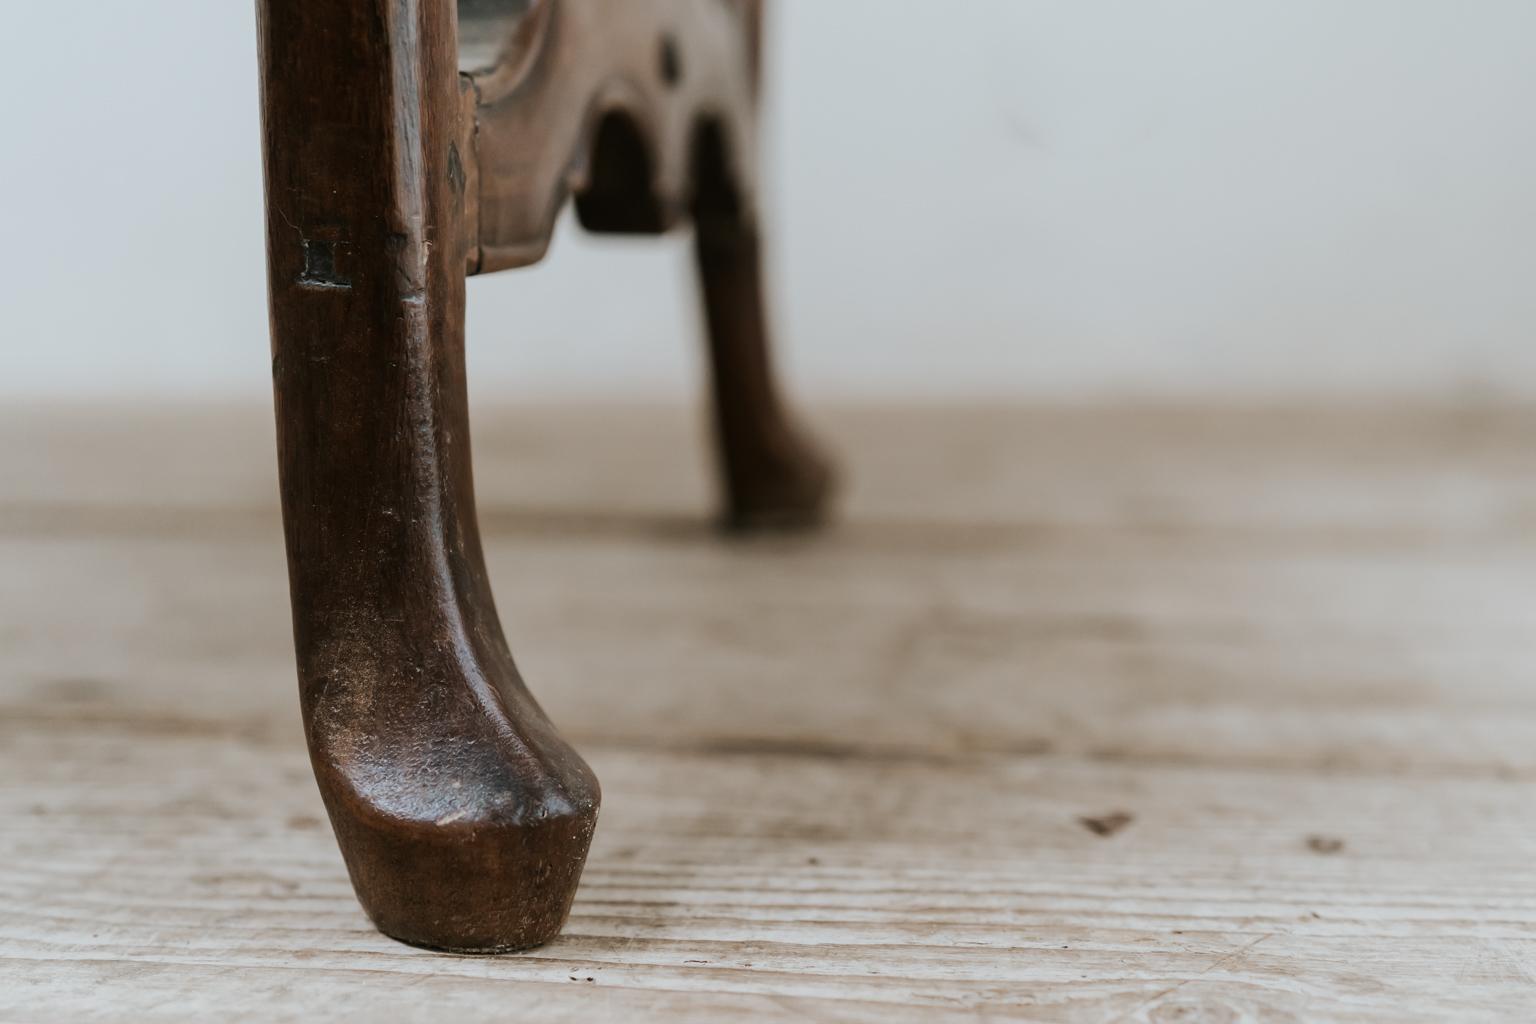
column 464, row 819
column 774, row 475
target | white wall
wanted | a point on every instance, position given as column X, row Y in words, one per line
column 1018, row 197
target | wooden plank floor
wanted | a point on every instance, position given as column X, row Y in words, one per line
column 1080, row 715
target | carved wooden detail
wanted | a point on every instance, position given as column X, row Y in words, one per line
column 610, row 102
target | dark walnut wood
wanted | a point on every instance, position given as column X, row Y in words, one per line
column 398, row 161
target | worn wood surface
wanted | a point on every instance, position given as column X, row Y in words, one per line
column 1079, row 715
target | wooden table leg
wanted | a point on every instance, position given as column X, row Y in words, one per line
column 463, row 817
column 774, row 475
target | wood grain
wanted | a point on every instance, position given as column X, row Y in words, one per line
column 846, row 777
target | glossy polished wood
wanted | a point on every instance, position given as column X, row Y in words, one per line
column 463, row 816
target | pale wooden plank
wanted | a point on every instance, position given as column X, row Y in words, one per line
column 1406, row 660
column 843, row 776
column 966, row 884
